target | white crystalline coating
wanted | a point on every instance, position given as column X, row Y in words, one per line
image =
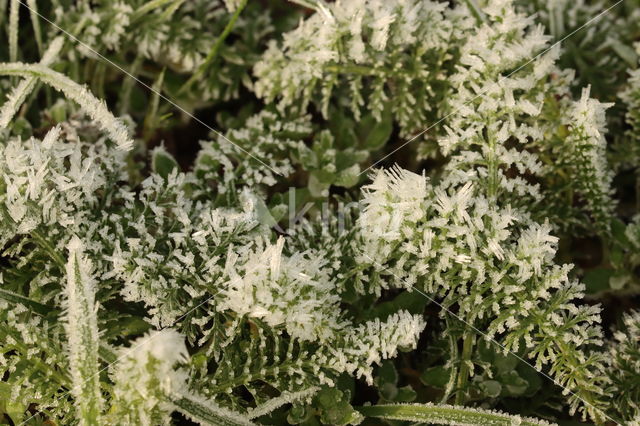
column 370, row 343
column 503, row 128
column 145, row 377
column 94, row 107
column 444, row 414
column 81, row 326
column 285, row 397
column 14, row 8
column 320, row 54
column 291, row 291
column 113, row 35
column 167, row 346
column 269, row 311
column 19, row 94
column 492, row 263
column 623, row 365
column 264, row 136
column 52, row 182
column 232, row 5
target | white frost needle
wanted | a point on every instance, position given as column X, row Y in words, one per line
column 94, row 107
column 19, row 94
column 81, row 325
column 14, row 15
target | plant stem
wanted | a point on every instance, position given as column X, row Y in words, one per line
column 476, row 11
column 42, row 242
column 206, row 412
column 445, row 414
column 213, row 53
column 37, row 307
column 463, row 373
column 453, row 351
column 492, row 167
column 309, row 4
column 146, row 8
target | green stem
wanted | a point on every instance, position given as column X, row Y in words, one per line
column 213, row 53
column 43, row 243
column 463, row 373
column 356, row 69
column 207, row 412
column 446, row 414
column 146, row 8
column 476, row 11
column 492, row 167
column 37, row 307
column 453, row 374
column 310, row 4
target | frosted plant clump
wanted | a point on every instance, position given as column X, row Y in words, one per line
column 318, row 213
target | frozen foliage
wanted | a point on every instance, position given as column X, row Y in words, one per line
column 599, row 45
column 395, row 48
column 295, row 291
column 134, row 292
column 516, row 127
column 144, row 375
column 624, row 367
column 33, row 363
column 81, row 326
column 256, row 154
column 20, row 92
column 180, row 255
column 492, row 264
column 500, row 114
column 449, row 415
column 163, row 34
column 631, row 97
column 94, row 107
column 50, row 182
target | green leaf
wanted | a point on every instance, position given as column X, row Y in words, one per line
column 307, row 157
column 317, row 188
column 490, row 388
column 504, row 363
column 336, row 409
column 409, row 301
column 207, row 412
column 58, row 112
column 342, row 127
column 438, row 377
column 387, row 373
column 162, row 162
column 348, row 177
column 597, row 280
column 618, row 231
column 373, row 134
column 446, row 414
column 534, row 382
column 298, row 414
column 15, row 410
column 21, row 127
column 388, row 391
column 406, row 394
column 619, row 280
column 126, row 326
column 625, row 52
column 513, row 384
column 39, row 308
